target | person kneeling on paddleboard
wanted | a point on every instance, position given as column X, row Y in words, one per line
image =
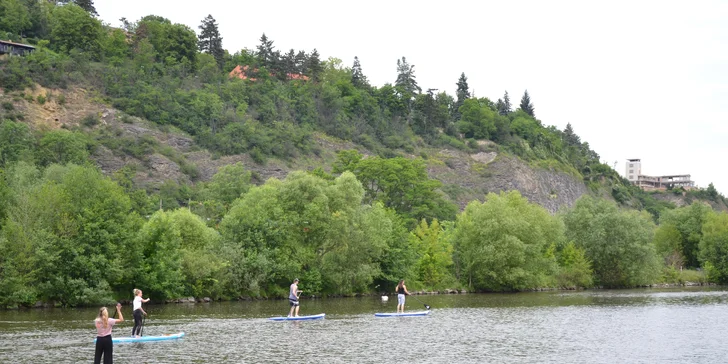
column 104, row 344
column 138, row 312
column 293, row 298
column 401, row 292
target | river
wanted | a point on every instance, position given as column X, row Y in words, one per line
column 599, row 326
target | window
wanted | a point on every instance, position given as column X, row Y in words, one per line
column 631, row 171
column 631, row 165
column 631, row 176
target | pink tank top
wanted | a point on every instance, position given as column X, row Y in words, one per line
column 104, row 331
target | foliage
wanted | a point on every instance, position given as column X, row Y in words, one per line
column 435, row 251
column 617, row 242
column 714, row 247
column 502, row 243
column 688, row 223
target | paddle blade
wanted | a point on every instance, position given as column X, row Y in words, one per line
column 427, row 307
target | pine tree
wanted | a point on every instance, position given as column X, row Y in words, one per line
column 314, row 66
column 210, row 40
column 301, row 59
column 504, row 105
column 357, row 76
column 570, row 138
column 526, row 104
column 87, row 5
column 266, row 53
column 406, row 82
column 289, row 62
column 462, row 93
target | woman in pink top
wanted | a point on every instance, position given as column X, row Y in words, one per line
column 104, row 345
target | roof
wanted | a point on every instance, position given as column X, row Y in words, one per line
column 16, row 44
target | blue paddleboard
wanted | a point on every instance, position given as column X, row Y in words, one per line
column 129, row 339
column 299, row 318
column 405, row 314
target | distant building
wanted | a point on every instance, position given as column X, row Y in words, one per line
column 15, row 49
column 633, row 172
column 633, row 169
column 242, row 73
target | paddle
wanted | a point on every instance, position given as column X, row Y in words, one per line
column 418, row 300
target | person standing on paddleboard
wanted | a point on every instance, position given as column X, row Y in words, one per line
column 293, row 298
column 104, row 344
column 401, row 292
column 138, row 312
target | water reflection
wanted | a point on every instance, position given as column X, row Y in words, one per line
column 640, row 326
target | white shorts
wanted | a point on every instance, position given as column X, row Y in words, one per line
column 400, row 299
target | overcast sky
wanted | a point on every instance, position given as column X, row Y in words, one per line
column 636, row 79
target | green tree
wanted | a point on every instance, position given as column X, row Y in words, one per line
column 462, row 93
column 74, row 28
column 63, row 146
column 401, row 184
column 14, row 17
column 87, row 5
column 574, row 267
column 689, row 222
column 527, row 105
column 435, row 254
column 229, row 183
column 16, row 142
column 406, row 83
column 502, row 243
column 358, row 79
column 477, row 119
column 210, row 40
column 504, row 105
column 714, row 246
column 617, row 242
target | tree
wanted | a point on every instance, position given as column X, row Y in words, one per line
column 435, row 254
column 313, row 65
column 62, row 146
column 477, row 119
column 688, row 221
column 358, row 79
column 570, row 138
column 712, row 192
column 617, row 242
column 502, row 244
column 266, row 52
column 87, row 5
column 210, row 41
column 16, row 142
column 504, row 105
column 14, row 16
column 73, row 28
column 526, row 104
column 462, row 93
column 399, row 183
column 714, row 246
column 406, row 83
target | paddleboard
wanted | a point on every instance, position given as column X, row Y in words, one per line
column 405, row 314
column 129, row 339
column 299, row 318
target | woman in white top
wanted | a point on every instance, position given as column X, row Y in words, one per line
column 138, row 312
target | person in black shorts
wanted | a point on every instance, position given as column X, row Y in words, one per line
column 293, row 299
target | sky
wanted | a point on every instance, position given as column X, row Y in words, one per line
column 636, row 79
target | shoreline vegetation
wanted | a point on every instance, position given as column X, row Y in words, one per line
column 77, row 232
column 415, row 293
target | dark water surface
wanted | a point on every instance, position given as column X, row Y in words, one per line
column 623, row 326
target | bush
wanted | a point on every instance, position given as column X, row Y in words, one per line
column 8, row 106
column 41, row 99
column 258, row 156
column 90, row 120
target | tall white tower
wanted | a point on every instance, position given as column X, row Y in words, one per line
column 633, row 169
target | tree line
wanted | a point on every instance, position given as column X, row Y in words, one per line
column 72, row 236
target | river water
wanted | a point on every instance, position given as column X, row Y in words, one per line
column 620, row 326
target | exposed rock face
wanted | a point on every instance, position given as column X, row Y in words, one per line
column 550, row 189
column 476, row 175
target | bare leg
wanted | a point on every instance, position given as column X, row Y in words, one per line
column 291, row 312
column 297, row 307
